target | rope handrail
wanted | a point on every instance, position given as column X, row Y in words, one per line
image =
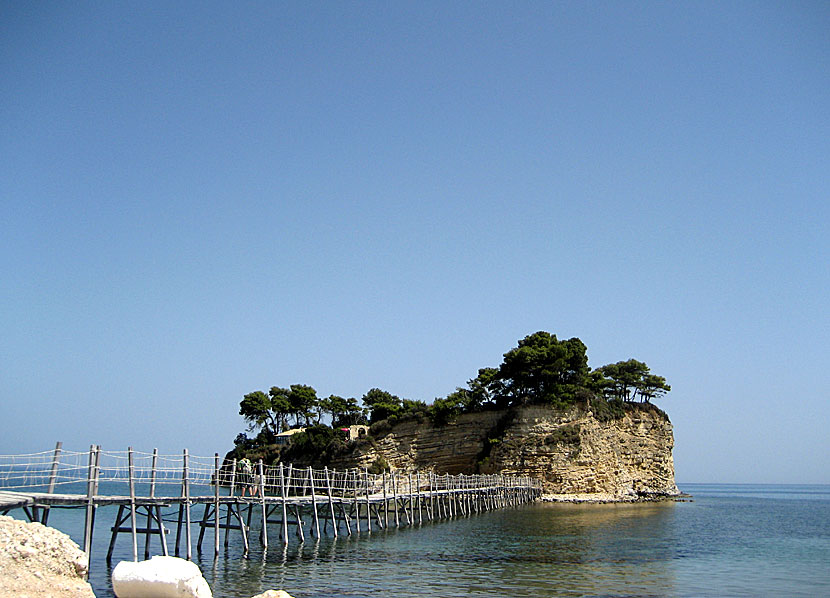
column 61, row 469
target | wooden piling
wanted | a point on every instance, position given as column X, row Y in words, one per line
column 261, row 480
column 331, row 501
column 231, row 493
column 368, row 513
column 132, row 504
column 418, row 491
column 395, row 497
column 90, row 505
column 53, row 475
column 215, row 505
column 314, row 501
column 186, row 491
column 284, row 506
column 385, row 503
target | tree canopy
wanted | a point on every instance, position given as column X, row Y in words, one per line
column 540, row 369
column 381, row 404
column 625, row 380
column 543, row 368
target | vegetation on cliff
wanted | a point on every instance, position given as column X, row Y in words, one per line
column 541, row 369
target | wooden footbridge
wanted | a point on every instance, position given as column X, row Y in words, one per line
column 219, row 497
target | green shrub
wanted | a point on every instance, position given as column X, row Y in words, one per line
column 317, row 445
column 380, row 428
column 379, row 465
column 607, row 410
column 568, row 434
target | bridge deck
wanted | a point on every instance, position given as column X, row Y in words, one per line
column 14, row 500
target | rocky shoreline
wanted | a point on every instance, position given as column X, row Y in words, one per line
column 604, row 498
column 36, row 560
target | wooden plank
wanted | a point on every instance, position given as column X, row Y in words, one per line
column 14, row 500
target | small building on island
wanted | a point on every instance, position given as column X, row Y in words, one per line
column 354, row 432
column 284, row 438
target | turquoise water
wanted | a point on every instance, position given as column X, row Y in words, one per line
column 731, row 540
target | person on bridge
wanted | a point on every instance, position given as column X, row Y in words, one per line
column 246, row 476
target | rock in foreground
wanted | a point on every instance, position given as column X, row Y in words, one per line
column 159, row 577
column 37, row 561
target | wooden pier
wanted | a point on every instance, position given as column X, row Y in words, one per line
column 218, row 498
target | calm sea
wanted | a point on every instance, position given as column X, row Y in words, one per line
column 730, row 540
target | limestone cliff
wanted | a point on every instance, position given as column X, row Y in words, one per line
column 571, row 452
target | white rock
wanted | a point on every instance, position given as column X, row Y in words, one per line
column 160, row 577
column 274, row 594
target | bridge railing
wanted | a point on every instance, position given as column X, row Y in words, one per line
column 156, row 475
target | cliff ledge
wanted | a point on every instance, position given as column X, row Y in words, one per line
column 572, row 451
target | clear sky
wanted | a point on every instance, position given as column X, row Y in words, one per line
column 204, row 199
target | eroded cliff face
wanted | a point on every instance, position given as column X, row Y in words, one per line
column 571, row 452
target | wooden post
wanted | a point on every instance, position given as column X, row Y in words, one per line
column 450, row 510
column 231, row 493
column 215, row 505
column 156, row 509
column 243, row 525
column 355, row 504
column 90, row 494
column 408, row 501
column 368, row 513
column 297, row 504
column 132, row 503
column 284, row 506
column 179, row 526
column 314, row 501
column 52, row 479
column 418, row 490
column 203, row 524
column 331, row 501
column 264, row 535
column 395, row 494
column 430, row 509
column 465, row 498
column 385, row 503
column 150, row 509
column 346, row 517
column 186, row 490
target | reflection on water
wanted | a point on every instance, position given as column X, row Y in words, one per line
column 540, row 550
column 728, row 542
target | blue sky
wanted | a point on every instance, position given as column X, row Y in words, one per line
column 203, row 199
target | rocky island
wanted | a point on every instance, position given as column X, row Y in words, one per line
column 543, row 413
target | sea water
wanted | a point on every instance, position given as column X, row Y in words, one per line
column 729, row 540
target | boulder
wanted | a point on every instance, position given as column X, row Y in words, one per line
column 273, row 594
column 160, row 577
column 36, row 560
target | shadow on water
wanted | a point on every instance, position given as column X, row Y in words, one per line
column 539, row 550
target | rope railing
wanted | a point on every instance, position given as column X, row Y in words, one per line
column 59, row 471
